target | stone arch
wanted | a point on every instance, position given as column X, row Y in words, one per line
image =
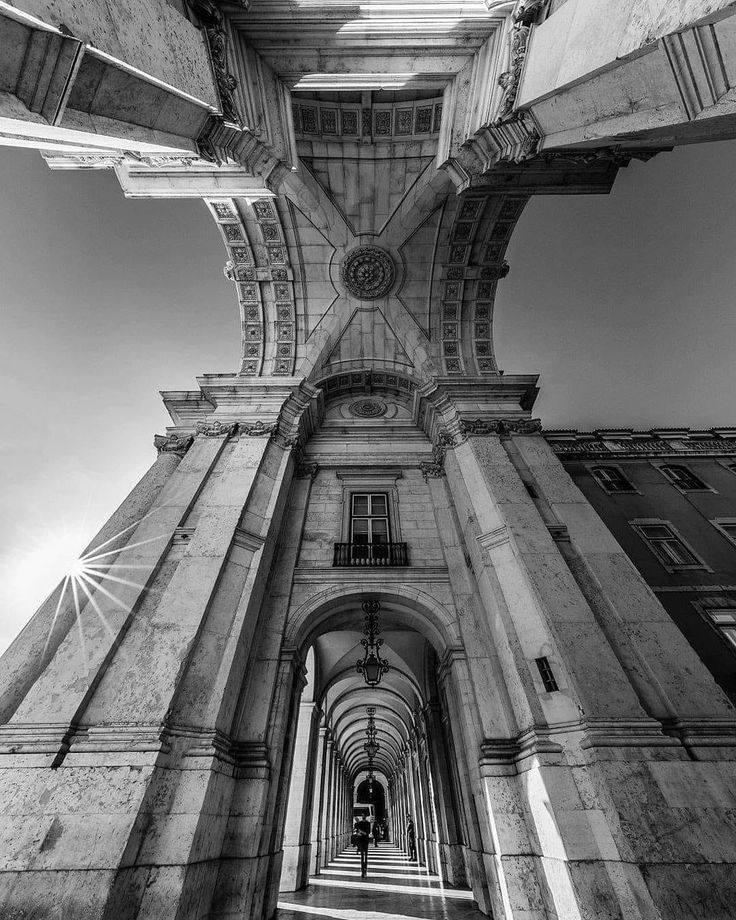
column 416, row 609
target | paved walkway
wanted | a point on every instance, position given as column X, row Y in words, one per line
column 395, row 889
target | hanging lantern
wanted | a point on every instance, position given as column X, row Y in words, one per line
column 372, row 666
column 371, row 748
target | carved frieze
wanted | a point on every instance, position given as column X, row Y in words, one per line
column 216, row 429
column 211, row 17
column 258, row 429
column 479, row 427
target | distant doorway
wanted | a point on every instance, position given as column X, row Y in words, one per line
column 371, row 792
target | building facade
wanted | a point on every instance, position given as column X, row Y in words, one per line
column 183, row 722
column 669, row 499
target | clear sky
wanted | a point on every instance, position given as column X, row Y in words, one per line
column 623, row 303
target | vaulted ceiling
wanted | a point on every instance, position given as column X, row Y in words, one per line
column 329, row 44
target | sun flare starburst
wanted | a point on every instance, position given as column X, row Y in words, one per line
column 89, row 580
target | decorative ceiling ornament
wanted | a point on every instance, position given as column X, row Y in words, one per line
column 371, row 665
column 371, row 747
column 368, row 272
column 368, row 408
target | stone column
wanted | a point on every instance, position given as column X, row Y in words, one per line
column 332, row 845
column 570, row 613
column 452, row 868
column 320, row 789
column 295, row 869
column 326, row 811
column 671, row 682
column 129, row 707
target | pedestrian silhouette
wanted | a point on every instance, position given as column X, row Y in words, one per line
column 361, row 838
column 411, row 838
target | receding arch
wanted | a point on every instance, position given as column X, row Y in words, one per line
column 339, row 606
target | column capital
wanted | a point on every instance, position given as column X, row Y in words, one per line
column 172, row 443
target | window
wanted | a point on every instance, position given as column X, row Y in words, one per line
column 724, row 622
column 612, row 479
column 369, row 518
column 727, row 526
column 683, row 478
column 371, row 528
column 667, row 546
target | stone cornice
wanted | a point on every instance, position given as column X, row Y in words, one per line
column 626, row 443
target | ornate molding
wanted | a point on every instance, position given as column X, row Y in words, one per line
column 480, row 427
column 258, row 429
column 618, row 156
column 368, row 272
column 624, row 444
column 216, row 429
column 516, row 137
column 213, row 23
column 173, row 443
column 368, row 408
column 515, row 134
column 433, row 468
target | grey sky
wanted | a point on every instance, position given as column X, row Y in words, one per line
column 624, row 304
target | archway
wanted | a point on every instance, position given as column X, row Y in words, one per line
column 419, row 765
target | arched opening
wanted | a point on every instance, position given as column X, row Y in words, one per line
column 370, row 792
column 408, row 781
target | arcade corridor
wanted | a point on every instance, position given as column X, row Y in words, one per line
column 395, row 889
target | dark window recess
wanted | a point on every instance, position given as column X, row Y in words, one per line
column 683, row 478
column 612, row 479
column 545, row 672
column 667, row 546
column 724, row 622
column 729, row 528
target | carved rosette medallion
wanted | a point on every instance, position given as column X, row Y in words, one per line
column 368, row 408
column 368, row 272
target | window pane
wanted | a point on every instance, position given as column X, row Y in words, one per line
column 360, row 504
column 613, row 479
column 680, row 553
column 378, row 505
column 656, row 532
column 682, row 477
column 730, row 529
column 723, row 616
column 660, row 550
column 729, row 634
column 380, row 530
column 360, row 530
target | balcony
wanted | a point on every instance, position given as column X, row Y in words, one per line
column 370, row 555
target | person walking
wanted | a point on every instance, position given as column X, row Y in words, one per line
column 361, row 839
column 411, row 838
column 376, row 833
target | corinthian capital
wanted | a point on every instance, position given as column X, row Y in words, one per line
column 173, row 443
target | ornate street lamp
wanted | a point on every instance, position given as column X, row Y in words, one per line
column 372, row 666
column 371, row 748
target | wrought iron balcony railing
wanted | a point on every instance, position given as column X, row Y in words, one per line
column 370, row 554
